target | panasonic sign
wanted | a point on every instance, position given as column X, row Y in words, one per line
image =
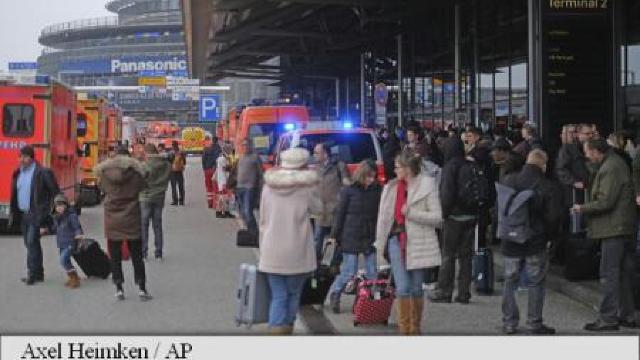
column 173, row 64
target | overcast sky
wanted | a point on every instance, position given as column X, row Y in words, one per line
column 22, row 20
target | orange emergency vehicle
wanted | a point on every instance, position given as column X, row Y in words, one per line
column 41, row 115
column 114, row 126
column 263, row 125
column 92, row 139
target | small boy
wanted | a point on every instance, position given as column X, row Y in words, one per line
column 67, row 228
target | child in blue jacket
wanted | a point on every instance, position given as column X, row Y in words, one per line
column 67, row 228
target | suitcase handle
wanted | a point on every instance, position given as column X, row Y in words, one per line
column 246, row 295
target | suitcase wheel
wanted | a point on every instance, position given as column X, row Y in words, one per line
column 355, row 323
column 386, row 323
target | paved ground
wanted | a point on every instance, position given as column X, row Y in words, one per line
column 194, row 288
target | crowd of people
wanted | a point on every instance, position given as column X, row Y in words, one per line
column 437, row 208
column 441, row 206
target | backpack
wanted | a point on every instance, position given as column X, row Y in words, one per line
column 473, row 187
column 514, row 216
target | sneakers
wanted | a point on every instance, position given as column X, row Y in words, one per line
column 509, row 330
column 600, row 326
column 120, row 295
column 439, row 297
column 30, row 280
column 144, row 296
column 462, row 299
column 542, row 330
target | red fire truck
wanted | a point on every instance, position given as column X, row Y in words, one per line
column 41, row 114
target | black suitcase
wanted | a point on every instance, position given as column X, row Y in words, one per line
column 317, row 286
column 482, row 268
column 582, row 255
column 582, row 258
column 92, row 260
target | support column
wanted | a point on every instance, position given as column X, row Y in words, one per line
column 362, row 92
column 337, row 98
column 400, row 108
column 534, row 67
column 346, row 97
column 477, row 96
column 456, row 65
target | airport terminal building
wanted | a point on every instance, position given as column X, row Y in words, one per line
column 143, row 38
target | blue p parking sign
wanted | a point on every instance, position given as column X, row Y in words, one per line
column 209, row 108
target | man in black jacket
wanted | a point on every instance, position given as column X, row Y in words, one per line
column 459, row 228
column 531, row 257
column 32, row 191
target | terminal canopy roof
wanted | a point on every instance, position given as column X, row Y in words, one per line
column 324, row 38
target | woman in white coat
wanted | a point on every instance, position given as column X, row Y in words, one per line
column 406, row 236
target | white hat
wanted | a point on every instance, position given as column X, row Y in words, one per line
column 294, row 158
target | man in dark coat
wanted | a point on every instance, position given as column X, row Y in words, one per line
column 122, row 179
column 459, row 228
column 531, row 257
column 33, row 188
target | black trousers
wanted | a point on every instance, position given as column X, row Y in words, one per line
column 135, row 250
column 177, row 186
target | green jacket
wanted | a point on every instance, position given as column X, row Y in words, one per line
column 636, row 173
column 611, row 211
column 158, row 169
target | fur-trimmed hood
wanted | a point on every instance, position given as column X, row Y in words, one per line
column 278, row 178
column 119, row 169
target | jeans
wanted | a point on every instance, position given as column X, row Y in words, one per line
column 458, row 243
column 152, row 212
column 535, row 267
column 65, row 259
column 408, row 282
column 319, row 233
column 31, row 236
column 246, row 199
column 285, row 298
column 177, row 186
column 349, row 268
column 135, row 249
column 616, row 274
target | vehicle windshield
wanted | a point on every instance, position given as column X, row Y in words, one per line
column 264, row 137
column 350, row 148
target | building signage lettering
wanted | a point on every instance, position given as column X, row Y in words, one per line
column 122, row 66
column 12, row 144
column 578, row 4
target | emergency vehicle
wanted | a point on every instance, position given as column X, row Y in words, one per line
column 193, row 140
column 114, row 126
column 92, row 139
column 41, row 114
column 263, row 125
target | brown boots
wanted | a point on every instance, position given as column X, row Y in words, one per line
column 74, row 280
column 281, row 330
column 410, row 315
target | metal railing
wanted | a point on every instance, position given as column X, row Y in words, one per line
column 107, row 21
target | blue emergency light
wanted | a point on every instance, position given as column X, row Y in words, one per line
column 347, row 125
column 289, row 126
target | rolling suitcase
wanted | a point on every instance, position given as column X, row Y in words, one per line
column 317, row 286
column 92, row 260
column 253, row 296
column 373, row 303
column 582, row 255
column 482, row 268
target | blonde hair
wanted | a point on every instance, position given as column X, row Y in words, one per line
column 537, row 157
column 363, row 171
column 617, row 141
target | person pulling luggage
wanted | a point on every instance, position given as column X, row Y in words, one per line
column 287, row 254
column 354, row 228
column 66, row 226
column 406, row 230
